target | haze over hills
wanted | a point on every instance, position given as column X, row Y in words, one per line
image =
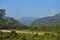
column 27, row 20
column 47, row 21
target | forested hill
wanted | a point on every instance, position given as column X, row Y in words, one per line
column 9, row 22
column 47, row 21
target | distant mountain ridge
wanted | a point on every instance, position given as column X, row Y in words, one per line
column 27, row 20
column 47, row 21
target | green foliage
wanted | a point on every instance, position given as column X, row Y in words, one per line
column 24, row 38
column 13, row 33
column 2, row 13
column 8, row 22
column 49, row 24
column 1, row 32
column 36, row 34
column 46, row 36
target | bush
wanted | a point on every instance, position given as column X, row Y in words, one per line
column 58, row 32
column 1, row 32
column 36, row 34
column 24, row 38
column 13, row 33
column 47, row 34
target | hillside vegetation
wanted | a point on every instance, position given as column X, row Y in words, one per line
column 47, row 28
column 51, row 23
column 9, row 22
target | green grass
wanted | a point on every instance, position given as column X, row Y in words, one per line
column 28, row 36
column 29, row 32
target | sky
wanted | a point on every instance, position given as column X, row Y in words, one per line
column 30, row 8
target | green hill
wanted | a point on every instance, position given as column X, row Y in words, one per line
column 47, row 21
column 9, row 22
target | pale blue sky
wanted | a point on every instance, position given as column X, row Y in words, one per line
column 30, row 8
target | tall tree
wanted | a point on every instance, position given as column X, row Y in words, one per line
column 13, row 24
column 2, row 14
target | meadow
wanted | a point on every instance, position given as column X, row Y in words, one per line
column 28, row 35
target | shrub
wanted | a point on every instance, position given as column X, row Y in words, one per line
column 13, row 33
column 24, row 38
column 47, row 34
column 1, row 32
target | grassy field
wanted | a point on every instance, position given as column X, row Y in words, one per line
column 27, row 31
column 28, row 35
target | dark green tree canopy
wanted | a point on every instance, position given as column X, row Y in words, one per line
column 2, row 12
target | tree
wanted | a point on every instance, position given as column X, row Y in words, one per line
column 2, row 14
column 13, row 24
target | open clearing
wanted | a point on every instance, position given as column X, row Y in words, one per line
column 26, row 31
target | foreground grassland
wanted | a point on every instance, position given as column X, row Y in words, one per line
column 28, row 35
column 26, row 31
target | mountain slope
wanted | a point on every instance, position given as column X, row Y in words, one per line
column 27, row 20
column 47, row 21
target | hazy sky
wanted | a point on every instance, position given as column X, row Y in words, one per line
column 30, row 8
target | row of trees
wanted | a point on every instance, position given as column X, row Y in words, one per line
column 45, row 28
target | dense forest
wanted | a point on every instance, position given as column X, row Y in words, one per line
column 49, row 25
